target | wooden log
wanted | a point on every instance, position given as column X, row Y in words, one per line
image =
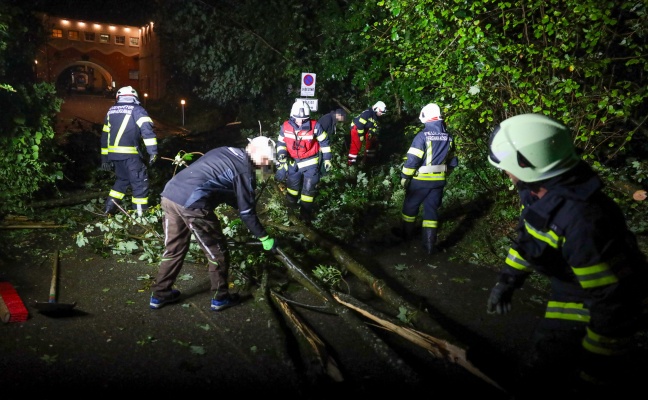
column 316, row 358
column 380, row 348
column 78, row 198
column 437, row 348
column 419, row 318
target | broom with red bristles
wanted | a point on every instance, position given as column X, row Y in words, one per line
column 12, row 309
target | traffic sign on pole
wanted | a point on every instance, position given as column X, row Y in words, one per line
column 308, row 84
column 312, row 103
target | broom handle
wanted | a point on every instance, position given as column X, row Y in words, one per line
column 52, row 295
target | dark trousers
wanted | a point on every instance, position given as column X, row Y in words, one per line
column 132, row 173
column 179, row 224
column 302, row 185
column 428, row 194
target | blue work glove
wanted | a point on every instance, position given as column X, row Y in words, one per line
column 405, row 182
column 328, row 166
column 153, row 159
column 269, row 244
column 500, row 298
column 107, row 166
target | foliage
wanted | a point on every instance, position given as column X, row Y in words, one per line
column 26, row 133
column 328, row 275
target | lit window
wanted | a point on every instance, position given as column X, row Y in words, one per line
column 89, row 36
column 120, row 39
column 104, row 38
column 73, row 35
column 134, row 41
column 57, row 33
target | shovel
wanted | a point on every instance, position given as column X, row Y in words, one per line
column 52, row 306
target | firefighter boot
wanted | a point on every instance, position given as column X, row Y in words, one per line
column 111, row 206
column 429, row 240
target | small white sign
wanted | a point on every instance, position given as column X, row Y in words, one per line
column 312, row 103
column 308, row 84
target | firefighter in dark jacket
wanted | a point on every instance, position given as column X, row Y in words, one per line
column 126, row 124
column 301, row 139
column 364, row 130
column 570, row 231
column 430, row 160
column 329, row 121
column 224, row 175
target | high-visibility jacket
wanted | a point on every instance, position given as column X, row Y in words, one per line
column 431, row 154
column 303, row 143
column 577, row 236
column 125, row 125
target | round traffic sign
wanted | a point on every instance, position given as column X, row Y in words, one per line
column 308, row 80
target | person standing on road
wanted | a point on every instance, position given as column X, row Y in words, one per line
column 126, row 124
column 223, row 175
column 301, row 139
column 430, row 160
column 364, row 129
column 570, row 231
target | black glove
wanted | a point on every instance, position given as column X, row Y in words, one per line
column 153, row 159
column 107, row 166
column 500, row 298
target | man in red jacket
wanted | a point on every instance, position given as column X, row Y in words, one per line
column 300, row 141
column 364, row 129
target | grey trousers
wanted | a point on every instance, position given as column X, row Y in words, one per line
column 179, row 224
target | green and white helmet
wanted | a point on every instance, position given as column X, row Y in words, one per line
column 532, row 147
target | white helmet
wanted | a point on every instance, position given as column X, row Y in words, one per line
column 264, row 147
column 300, row 110
column 380, row 106
column 533, row 147
column 429, row 113
column 127, row 91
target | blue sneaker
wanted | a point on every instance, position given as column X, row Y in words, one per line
column 219, row 305
column 157, row 302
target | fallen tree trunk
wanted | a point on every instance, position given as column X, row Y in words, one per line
column 315, row 357
column 72, row 200
column 379, row 347
column 420, row 318
column 438, row 348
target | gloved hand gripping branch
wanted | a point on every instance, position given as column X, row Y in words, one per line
column 269, row 244
column 107, row 166
column 153, row 159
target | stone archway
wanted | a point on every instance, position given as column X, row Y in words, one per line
column 83, row 76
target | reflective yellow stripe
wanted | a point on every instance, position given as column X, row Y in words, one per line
column 306, row 199
column 430, row 224
column 595, row 275
column 604, row 345
column 141, row 121
column 122, row 150
column 310, row 161
column 408, row 218
column 116, row 194
column 549, row 237
column 567, row 311
column 515, row 260
column 292, row 192
column 415, row 152
column 408, row 171
column 140, row 200
column 150, row 141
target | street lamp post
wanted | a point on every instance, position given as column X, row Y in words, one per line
column 182, row 102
